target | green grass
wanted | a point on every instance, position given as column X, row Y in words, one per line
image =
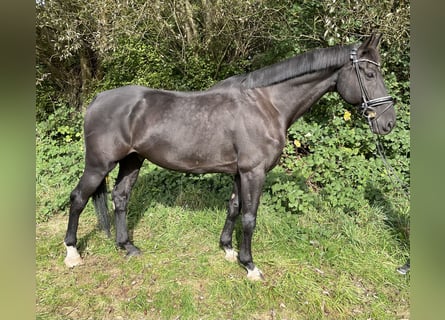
column 318, row 265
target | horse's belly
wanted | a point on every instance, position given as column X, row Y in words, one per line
column 191, row 156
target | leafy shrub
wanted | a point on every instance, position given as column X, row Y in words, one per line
column 59, row 161
column 136, row 62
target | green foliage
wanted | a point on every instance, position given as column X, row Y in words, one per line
column 59, row 162
column 136, row 63
column 87, row 46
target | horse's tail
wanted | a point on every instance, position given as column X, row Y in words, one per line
column 101, row 206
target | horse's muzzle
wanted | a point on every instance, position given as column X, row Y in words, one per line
column 382, row 119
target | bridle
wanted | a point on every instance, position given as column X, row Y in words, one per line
column 368, row 105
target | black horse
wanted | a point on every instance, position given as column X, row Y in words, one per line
column 237, row 127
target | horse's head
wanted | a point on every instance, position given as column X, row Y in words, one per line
column 360, row 82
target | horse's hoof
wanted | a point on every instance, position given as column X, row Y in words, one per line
column 404, row 269
column 72, row 258
column 131, row 249
column 255, row 275
column 73, row 262
column 133, row 252
column 231, row 255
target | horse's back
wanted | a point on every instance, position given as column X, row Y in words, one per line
column 114, row 100
column 184, row 131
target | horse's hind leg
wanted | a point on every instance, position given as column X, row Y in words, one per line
column 128, row 173
column 88, row 183
column 233, row 212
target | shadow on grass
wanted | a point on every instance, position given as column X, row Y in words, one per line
column 172, row 189
column 190, row 191
column 83, row 241
column 397, row 220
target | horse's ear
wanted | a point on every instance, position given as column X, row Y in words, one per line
column 372, row 41
column 375, row 39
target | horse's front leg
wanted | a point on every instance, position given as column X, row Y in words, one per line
column 78, row 202
column 251, row 188
column 88, row 183
column 233, row 212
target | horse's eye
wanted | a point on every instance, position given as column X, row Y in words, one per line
column 370, row 74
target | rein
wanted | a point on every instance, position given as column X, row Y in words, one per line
column 395, row 179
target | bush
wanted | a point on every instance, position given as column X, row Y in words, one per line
column 136, row 62
column 59, row 161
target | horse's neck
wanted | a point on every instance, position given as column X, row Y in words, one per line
column 294, row 97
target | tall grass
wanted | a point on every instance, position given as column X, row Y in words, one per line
column 318, row 265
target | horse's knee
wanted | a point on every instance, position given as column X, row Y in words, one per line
column 248, row 222
column 77, row 201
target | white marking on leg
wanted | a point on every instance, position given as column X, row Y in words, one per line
column 255, row 275
column 72, row 258
column 231, row 255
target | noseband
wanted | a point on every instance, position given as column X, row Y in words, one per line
column 368, row 105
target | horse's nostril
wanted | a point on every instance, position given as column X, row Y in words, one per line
column 389, row 125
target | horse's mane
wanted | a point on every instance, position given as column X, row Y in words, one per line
column 308, row 62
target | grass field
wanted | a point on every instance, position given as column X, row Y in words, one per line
column 318, row 265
